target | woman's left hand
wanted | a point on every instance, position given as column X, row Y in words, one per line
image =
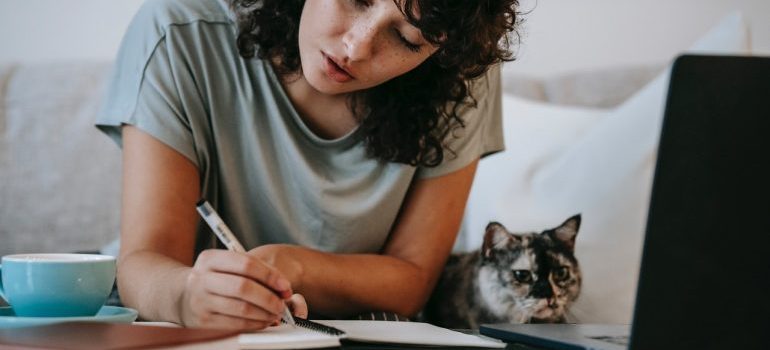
column 280, row 257
column 297, row 305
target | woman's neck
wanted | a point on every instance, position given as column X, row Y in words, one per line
column 328, row 116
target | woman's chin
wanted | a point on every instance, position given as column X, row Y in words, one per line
column 327, row 86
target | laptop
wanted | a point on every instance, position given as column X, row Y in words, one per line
column 705, row 266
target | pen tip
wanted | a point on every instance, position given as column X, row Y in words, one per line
column 200, row 202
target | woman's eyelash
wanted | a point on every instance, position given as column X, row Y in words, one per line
column 412, row 47
column 408, row 44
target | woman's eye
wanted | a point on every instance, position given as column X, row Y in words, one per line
column 408, row 44
column 561, row 273
column 522, row 276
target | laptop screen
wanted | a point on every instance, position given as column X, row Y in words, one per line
column 706, row 257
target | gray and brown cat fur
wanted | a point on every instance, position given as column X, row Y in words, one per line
column 513, row 278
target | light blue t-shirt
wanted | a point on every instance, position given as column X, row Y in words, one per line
column 179, row 77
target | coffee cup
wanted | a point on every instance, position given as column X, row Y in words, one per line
column 56, row 285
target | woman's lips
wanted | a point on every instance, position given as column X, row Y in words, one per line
column 335, row 72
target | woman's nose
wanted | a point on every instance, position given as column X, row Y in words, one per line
column 360, row 41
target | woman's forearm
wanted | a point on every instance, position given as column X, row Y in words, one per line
column 341, row 285
column 153, row 284
column 362, row 283
column 401, row 278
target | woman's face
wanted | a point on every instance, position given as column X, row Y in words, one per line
column 352, row 45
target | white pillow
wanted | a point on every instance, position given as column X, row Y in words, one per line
column 602, row 170
column 535, row 133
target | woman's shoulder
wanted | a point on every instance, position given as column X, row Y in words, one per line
column 179, row 24
column 165, row 13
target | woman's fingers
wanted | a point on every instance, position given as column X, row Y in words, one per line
column 247, row 290
column 234, row 290
column 298, row 305
column 239, row 309
column 202, row 308
column 247, row 266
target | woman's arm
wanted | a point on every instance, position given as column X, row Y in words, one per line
column 401, row 278
column 156, row 274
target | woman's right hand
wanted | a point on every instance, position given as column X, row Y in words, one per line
column 226, row 289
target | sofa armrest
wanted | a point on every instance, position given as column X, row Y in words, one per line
column 60, row 187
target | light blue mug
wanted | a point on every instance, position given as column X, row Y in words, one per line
column 56, row 285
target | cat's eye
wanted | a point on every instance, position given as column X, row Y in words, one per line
column 522, row 276
column 560, row 273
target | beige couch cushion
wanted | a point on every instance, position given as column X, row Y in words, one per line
column 603, row 88
column 59, row 176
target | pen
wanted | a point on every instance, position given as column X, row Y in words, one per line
column 228, row 239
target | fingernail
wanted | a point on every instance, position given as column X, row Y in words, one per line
column 283, row 284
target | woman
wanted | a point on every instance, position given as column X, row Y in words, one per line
column 337, row 138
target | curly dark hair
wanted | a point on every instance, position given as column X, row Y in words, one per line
column 408, row 118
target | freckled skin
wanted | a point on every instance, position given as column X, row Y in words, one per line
column 364, row 39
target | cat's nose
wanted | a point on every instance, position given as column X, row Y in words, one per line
column 542, row 289
column 552, row 303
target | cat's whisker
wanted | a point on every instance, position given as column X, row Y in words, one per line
column 570, row 317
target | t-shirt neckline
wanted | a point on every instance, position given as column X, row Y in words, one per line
column 342, row 141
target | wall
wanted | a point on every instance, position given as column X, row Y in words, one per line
column 564, row 36
column 45, row 30
column 558, row 35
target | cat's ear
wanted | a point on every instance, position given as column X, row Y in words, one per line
column 567, row 231
column 495, row 237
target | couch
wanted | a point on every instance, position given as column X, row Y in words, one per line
column 60, row 176
column 581, row 142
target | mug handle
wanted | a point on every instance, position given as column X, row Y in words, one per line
column 2, row 293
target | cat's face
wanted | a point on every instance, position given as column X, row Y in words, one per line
column 532, row 277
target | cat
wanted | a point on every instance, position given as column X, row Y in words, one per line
column 513, row 278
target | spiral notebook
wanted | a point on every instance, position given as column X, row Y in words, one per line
column 330, row 333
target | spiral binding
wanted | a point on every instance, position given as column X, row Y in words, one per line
column 315, row 326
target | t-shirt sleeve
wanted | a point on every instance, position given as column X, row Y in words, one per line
column 146, row 89
column 483, row 131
